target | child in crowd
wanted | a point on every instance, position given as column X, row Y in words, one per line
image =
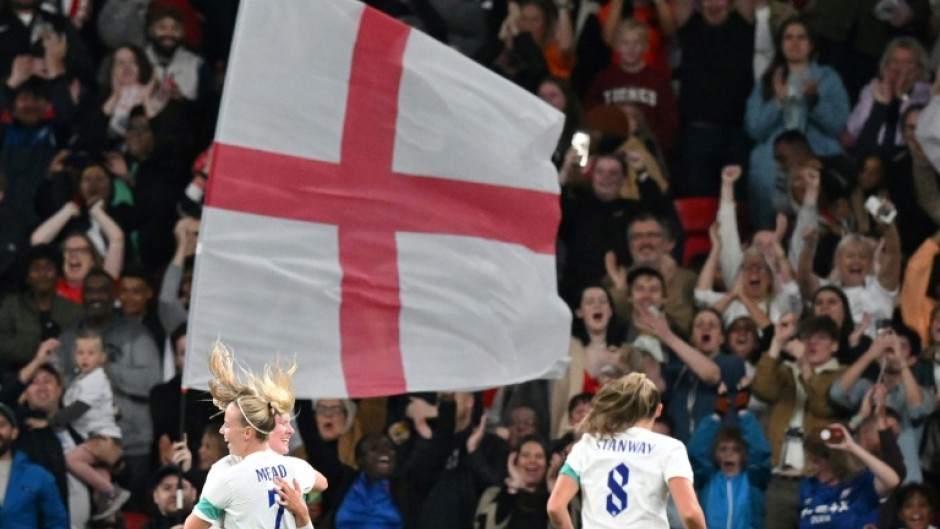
column 918, row 506
column 732, row 468
column 88, row 416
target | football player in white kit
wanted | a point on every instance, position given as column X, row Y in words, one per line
column 254, row 486
column 623, row 469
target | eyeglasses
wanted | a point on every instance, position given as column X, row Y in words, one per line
column 329, row 411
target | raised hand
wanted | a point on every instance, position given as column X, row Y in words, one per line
column 880, row 91
column 476, row 436
column 21, row 70
column 730, row 174
column 785, row 328
column 617, row 273
column 515, row 481
column 291, row 497
column 47, row 350
column 186, row 232
column 56, row 46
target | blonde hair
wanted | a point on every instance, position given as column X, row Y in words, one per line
column 853, row 238
column 921, row 59
column 260, row 399
column 620, row 404
column 774, row 287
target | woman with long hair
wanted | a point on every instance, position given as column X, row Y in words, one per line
column 831, row 301
column 846, row 483
column 557, row 92
column 795, row 93
column 520, row 502
column 596, row 339
column 623, row 469
column 870, row 287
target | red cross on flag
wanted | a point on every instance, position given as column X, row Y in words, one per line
column 380, row 207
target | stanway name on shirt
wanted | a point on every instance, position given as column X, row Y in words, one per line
column 269, row 473
column 624, row 445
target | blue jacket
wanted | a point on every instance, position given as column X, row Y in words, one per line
column 32, row 500
column 764, row 121
column 741, row 497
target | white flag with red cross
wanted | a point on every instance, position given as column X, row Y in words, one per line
column 380, row 208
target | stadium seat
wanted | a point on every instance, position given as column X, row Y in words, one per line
column 696, row 214
column 133, row 520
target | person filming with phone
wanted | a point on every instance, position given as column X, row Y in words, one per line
column 891, row 351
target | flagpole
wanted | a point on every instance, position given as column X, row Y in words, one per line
column 182, row 438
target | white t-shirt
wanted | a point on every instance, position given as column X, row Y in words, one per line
column 244, row 490
column 93, row 389
column 870, row 298
column 624, row 479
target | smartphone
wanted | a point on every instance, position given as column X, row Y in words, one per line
column 880, row 210
column 882, row 326
column 581, row 143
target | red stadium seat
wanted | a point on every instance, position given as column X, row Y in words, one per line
column 696, row 214
column 133, row 520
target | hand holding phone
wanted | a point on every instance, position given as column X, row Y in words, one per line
column 581, row 143
column 881, row 209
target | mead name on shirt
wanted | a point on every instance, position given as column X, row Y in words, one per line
column 624, row 445
column 269, row 473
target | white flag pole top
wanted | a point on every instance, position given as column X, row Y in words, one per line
column 380, row 206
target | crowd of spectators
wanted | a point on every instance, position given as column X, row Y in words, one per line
column 797, row 344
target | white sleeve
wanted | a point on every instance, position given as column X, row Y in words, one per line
column 707, row 298
column 216, row 497
column 731, row 255
column 306, row 475
column 577, row 458
column 676, row 463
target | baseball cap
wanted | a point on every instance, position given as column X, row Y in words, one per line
column 8, row 413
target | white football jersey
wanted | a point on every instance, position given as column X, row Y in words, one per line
column 242, row 492
column 624, row 479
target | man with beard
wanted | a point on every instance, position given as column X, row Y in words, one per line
column 181, row 71
column 166, row 485
column 28, row 495
column 133, row 368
